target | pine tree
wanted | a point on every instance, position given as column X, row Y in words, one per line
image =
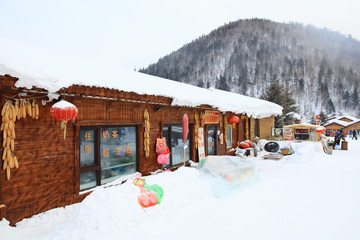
column 222, row 84
column 289, row 106
column 277, row 94
column 200, row 83
column 330, row 107
column 354, row 98
column 322, row 118
column 347, row 99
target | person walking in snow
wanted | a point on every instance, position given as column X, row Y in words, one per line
column 354, row 134
column 338, row 136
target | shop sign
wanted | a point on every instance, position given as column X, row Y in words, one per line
column 212, row 117
column 201, row 147
column 287, row 133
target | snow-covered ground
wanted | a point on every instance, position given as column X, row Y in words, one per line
column 307, row 195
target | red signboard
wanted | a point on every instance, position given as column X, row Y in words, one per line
column 212, row 117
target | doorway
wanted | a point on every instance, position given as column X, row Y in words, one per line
column 211, row 140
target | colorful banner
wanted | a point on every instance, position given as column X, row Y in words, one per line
column 287, row 132
column 201, row 147
column 277, row 133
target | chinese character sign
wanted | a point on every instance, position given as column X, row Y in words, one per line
column 201, row 148
column 87, row 156
column 212, row 117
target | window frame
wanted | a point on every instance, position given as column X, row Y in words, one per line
column 229, row 145
column 256, row 127
column 97, row 154
column 216, row 139
column 169, row 144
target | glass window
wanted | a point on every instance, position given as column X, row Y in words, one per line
column 228, row 136
column 117, row 152
column 87, row 148
column 301, row 134
column 175, row 142
column 256, row 128
column 106, row 154
column 87, row 180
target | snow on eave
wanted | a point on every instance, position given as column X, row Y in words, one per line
column 338, row 122
column 302, row 125
column 130, row 81
column 254, row 107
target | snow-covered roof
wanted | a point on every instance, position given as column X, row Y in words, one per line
column 57, row 74
column 342, row 123
column 302, row 125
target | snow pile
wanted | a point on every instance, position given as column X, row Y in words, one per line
column 306, row 195
column 228, row 174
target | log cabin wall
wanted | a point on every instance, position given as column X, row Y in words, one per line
column 265, row 125
column 48, row 174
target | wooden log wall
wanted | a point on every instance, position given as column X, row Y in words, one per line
column 48, row 174
column 265, row 125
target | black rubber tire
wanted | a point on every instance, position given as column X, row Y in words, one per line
column 272, row 147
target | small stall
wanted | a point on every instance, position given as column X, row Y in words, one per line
column 303, row 132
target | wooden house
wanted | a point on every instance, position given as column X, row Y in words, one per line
column 348, row 123
column 111, row 136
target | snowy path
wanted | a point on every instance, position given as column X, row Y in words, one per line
column 307, row 195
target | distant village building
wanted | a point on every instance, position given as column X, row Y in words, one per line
column 348, row 123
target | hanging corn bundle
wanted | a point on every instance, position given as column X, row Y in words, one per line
column 146, row 133
column 225, row 129
column 10, row 113
column 202, row 119
column 196, row 129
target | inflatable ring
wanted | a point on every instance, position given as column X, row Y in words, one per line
column 272, row 147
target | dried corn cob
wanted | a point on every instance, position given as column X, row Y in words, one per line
column 28, row 108
column 16, row 162
column 8, row 172
column 36, row 110
column 4, row 165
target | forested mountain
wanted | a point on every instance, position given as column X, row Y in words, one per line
column 319, row 66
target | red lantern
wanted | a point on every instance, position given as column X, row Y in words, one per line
column 63, row 111
column 233, row 120
column 320, row 129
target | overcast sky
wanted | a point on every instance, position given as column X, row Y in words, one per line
column 135, row 33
